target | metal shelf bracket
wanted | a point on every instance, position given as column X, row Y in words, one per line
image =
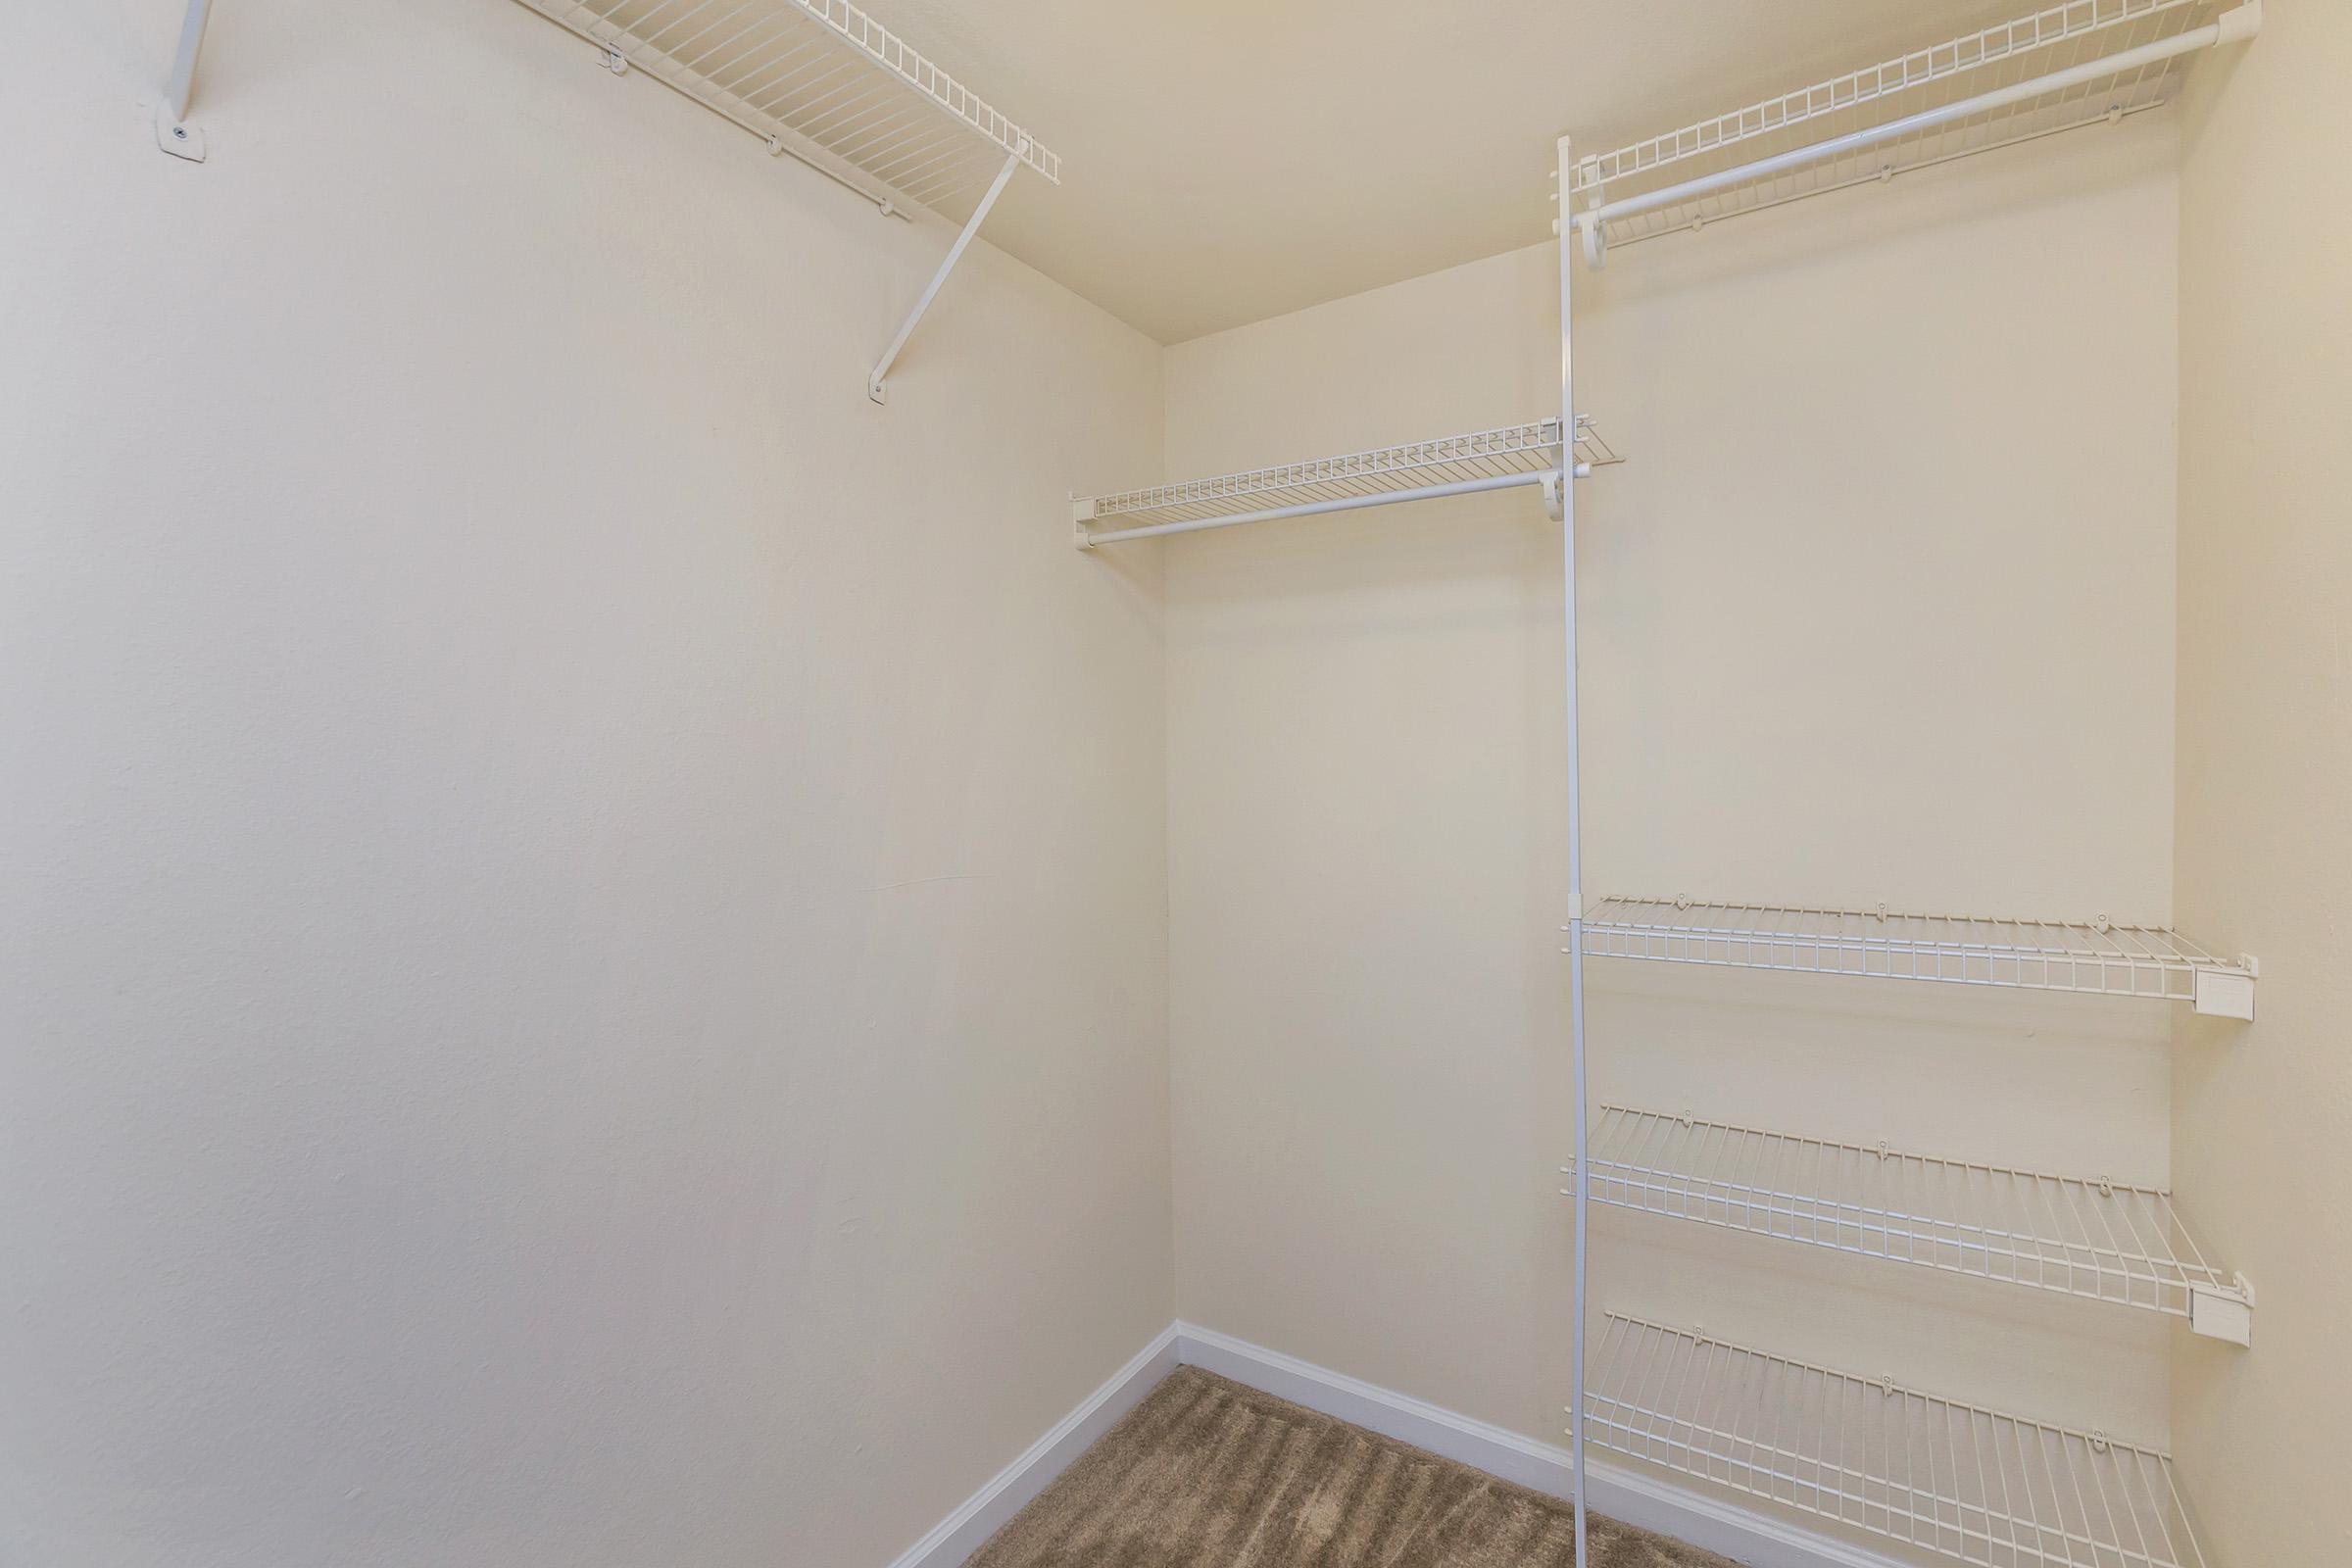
column 2228, row 993
column 172, row 132
column 2221, row 1312
column 875, row 387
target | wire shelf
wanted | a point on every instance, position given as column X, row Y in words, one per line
column 2058, row 39
column 822, row 80
column 1481, row 457
column 2115, row 960
column 2069, row 1235
column 1983, row 1488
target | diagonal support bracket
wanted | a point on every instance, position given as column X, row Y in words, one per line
column 172, row 132
column 874, row 383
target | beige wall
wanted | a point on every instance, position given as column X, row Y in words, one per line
column 2262, row 1116
column 1881, row 609
column 584, row 908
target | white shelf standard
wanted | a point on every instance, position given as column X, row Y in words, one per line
column 1975, row 1485
column 2096, row 957
column 2082, row 63
column 823, row 82
column 2075, row 1236
column 1418, row 471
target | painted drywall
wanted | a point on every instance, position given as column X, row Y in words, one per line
column 583, row 908
column 2261, row 1113
column 1881, row 608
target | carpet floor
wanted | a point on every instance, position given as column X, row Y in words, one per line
column 1208, row 1474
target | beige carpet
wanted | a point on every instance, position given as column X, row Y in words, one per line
column 1208, row 1474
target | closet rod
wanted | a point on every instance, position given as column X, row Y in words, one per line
column 2232, row 26
column 1426, row 492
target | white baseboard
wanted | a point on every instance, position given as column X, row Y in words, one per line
column 986, row 1511
column 1741, row 1534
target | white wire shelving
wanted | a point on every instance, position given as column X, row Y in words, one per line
column 2074, row 1236
column 1976, row 1485
column 1454, row 464
column 820, row 79
column 826, row 84
column 2068, row 66
column 2094, row 958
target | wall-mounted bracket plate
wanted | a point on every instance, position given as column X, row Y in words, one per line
column 2223, row 1313
column 177, row 136
column 2227, row 993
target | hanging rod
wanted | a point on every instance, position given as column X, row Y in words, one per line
column 1422, row 470
column 2236, row 25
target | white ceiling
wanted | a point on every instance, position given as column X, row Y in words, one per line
column 1230, row 159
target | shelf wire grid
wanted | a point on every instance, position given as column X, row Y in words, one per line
column 822, row 80
column 2074, row 1236
column 1989, row 1489
column 1479, row 455
column 2053, row 39
column 2096, row 957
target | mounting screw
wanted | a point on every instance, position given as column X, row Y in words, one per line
column 2099, row 1442
column 178, row 139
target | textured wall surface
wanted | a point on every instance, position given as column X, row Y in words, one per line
column 2261, row 1113
column 1881, row 608
column 583, row 908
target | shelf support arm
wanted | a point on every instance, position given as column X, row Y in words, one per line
column 874, row 383
column 173, row 134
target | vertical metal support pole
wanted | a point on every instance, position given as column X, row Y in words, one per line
column 1576, row 867
column 173, row 134
column 971, row 226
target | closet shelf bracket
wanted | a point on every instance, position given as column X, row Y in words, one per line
column 875, row 384
column 825, row 83
column 2224, row 1311
column 2227, row 993
column 172, row 132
